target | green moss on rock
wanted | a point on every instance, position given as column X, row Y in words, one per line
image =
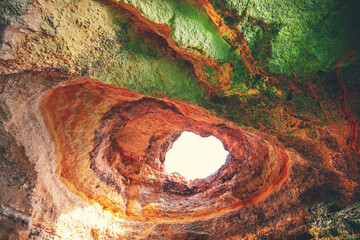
column 309, row 35
column 191, row 26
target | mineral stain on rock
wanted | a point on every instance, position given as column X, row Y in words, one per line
column 93, row 94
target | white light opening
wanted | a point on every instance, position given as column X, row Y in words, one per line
column 194, row 157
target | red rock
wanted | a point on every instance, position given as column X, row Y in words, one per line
column 98, row 152
column 117, row 142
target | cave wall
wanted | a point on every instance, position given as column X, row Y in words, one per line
column 93, row 94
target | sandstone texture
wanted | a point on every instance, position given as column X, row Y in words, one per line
column 93, row 93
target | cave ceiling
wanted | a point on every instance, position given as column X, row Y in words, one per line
column 93, row 93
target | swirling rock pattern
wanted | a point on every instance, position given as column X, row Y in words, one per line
column 277, row 83
column 117, row 141
column 98, row 152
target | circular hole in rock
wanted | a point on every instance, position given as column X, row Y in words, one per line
column 193, row 156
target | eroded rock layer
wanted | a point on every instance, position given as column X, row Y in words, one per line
column 93, row 93
column 101, row 173
column 117, row 142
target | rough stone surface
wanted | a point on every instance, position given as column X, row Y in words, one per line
column 94, row 93
column 99, row 169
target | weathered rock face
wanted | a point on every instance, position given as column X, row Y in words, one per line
column 124, row 138
column 82, row 158
column 98, row 152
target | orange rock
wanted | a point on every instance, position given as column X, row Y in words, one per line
column 118, row 142
column 91, row 165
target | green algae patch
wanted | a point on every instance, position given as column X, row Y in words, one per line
column 190, row 26
column 142, row 64
column 193, row 31
column 303, row 37
column 146, row 71
column 260, row 41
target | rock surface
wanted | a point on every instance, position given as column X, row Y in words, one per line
column 94, row 154
column 94, row 93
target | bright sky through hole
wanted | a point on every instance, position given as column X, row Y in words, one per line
column 195, row 157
